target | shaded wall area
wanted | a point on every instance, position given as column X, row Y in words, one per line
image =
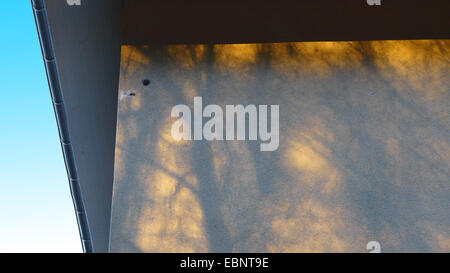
column 364, row 149
column 257, row 21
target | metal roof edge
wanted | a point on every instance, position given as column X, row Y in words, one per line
column 46, row 43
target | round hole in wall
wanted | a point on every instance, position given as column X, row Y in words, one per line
column 146, row 82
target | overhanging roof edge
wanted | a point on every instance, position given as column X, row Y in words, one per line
column 46, row 43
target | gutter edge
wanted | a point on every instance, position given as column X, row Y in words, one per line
column 46, row 43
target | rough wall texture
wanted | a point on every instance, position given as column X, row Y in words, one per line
column 364, row 149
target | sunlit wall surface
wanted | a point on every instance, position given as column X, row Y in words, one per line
column 364, row 149
column 36, row 210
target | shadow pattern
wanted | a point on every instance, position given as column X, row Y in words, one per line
column 364, row 149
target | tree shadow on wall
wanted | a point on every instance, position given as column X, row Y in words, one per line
column 364, row 149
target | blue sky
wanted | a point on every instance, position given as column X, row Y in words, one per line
column 36, row 211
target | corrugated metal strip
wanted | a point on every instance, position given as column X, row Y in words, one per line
column 40, row 15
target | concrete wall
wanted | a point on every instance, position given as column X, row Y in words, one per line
column 364, row 149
